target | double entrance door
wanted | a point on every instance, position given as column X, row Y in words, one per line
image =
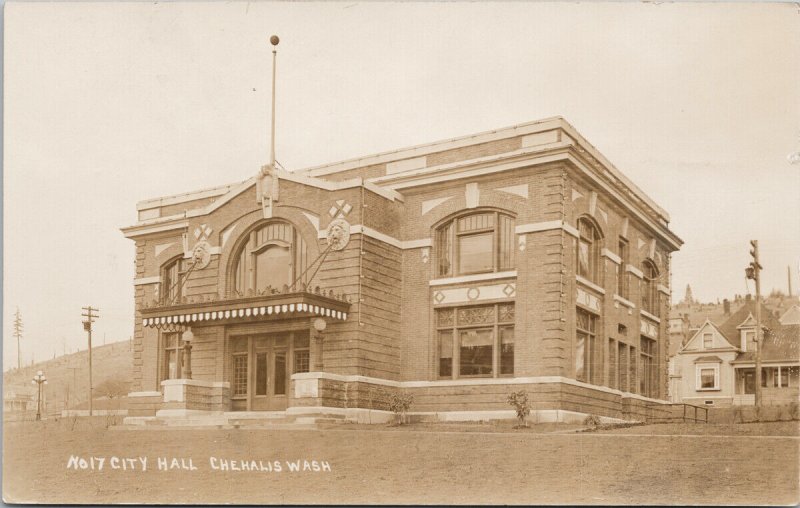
column 261, row 369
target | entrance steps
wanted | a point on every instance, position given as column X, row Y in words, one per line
column 231, row 420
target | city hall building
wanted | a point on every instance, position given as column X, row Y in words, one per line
column 456, row 272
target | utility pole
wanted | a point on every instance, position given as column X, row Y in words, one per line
column 754, row 272
column 87, row 325
column 789, row 277
column 18, row 328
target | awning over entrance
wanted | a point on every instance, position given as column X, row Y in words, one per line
column 277, row 306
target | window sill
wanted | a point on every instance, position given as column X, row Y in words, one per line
column 708, row 389
column 589, row 284
column 624, row 301
column 473, row 278
column 650, row 316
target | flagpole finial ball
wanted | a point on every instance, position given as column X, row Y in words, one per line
column 274, row 40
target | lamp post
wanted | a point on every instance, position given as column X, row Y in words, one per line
column 188, row 337
column 319, row 327
column 39, row 379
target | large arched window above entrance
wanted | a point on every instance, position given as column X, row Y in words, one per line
column 650, row 287
column 272, row 257
column 475, row 243
column 589, row 244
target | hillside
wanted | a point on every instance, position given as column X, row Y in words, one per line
column 68, row 375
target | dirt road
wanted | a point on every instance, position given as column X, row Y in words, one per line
column 391, row 466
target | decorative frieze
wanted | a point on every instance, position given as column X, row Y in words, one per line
column 475, row 293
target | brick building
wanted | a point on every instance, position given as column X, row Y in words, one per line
column 457, row 272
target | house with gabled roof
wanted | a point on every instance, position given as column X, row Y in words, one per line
column 791, row 316
column 717, row 366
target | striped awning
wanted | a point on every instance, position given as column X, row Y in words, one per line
column 294, row 305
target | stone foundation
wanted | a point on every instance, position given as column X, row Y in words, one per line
column 196, row 395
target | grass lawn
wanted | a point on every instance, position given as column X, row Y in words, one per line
column 452, row 464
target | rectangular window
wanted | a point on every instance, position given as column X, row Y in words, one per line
column 475, row 341
column 445, row 353
column 708, row 341
column 444, row 255
column 507, row 237
column 476, row 352
column 506, row 350
column 583, row 258
column 173, row 356
column 240, row 374
column 648, row 369
column 622, row 275
column 622, row 355
column 301, row 361
column 632, row 370
column 585, row 354
column 708, row 378
column 475, row 253
column 613, row 376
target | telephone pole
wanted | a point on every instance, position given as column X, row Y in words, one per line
column 89, row 316
column 754, row 272
column 18, row 327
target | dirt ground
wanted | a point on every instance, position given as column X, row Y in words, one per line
column 431, row 464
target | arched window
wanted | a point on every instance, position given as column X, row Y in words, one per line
column 476, row 243
column 273, row 256
column 650, row 287
column 589, row 243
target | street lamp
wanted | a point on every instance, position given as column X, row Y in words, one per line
column 319, row 327
column 188, row 337
column 39, row 379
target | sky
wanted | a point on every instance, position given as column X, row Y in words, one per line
column 108, row 104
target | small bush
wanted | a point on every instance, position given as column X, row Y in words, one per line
column 522, row 406
column 400, row 404
column 592, row 421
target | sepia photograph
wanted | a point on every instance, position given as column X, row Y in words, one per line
column 426, row 253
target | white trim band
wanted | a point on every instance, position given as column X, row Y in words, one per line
column 147, row 280
column 589, row 284
column 473, row 278
column 650, row 316
column 610, row 255
column 624, row 301
column 632, row 269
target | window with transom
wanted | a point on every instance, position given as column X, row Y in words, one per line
column 271, row 259
column 475, row 341
column 476, row 243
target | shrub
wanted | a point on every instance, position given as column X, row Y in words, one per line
column 521, row 405
column 399, row 404
column 592, row 421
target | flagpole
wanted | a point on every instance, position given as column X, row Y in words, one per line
column 274, row 40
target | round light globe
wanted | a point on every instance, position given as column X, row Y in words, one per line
column 320, row 325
